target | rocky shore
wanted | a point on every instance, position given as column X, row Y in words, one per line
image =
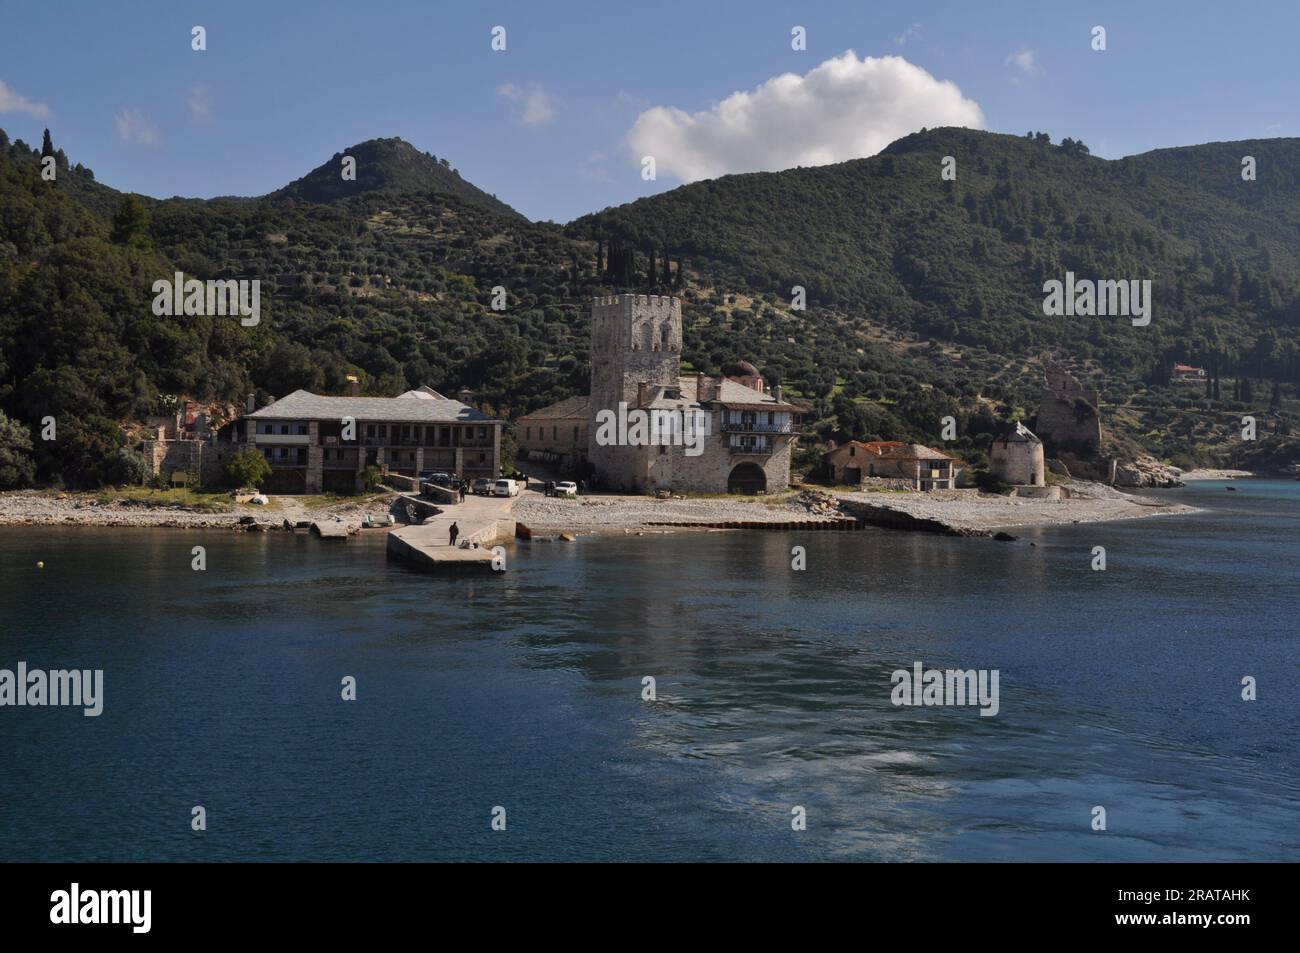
column 968, row 513
column 44, row 508
column 959, row 512
column 1216, row 474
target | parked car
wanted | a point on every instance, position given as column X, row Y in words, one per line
column 440, row 478
column 566, row 488
column 482, row 487
column 505, row 488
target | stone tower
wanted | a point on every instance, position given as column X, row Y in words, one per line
column 635, row 339
column 1016, row 457
column 636, row 348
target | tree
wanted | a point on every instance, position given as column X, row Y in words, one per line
column 131, row 223
column 47, row 145
column 247, row 468
column 16, row 465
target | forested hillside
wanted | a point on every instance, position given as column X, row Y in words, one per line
column 924, row 296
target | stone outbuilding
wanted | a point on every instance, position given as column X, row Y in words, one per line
column 1016, row 457
column 922, row 467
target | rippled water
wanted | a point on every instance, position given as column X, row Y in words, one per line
column 1118, row 688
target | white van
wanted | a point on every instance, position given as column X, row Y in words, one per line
column 505, row 488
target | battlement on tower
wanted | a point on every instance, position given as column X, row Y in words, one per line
column 628, row 322
column 658, row 305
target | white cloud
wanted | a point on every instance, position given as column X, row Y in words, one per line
column 538, row 106
column 845, row 108
column 913, row 32
column 11, row 102
column 1024, row 59
column 200, row 104
column 132, row 126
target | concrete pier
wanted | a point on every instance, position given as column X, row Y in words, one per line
column 482, row 520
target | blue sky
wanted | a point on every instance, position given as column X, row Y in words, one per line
column 545, row 125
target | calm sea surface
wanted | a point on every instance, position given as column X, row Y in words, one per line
column 1119, row 689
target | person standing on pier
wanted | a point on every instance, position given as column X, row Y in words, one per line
column 453, row 533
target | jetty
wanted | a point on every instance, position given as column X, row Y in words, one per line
column 427, row 545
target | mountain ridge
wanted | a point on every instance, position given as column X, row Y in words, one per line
column 924, row 296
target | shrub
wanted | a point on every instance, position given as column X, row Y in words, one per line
column 247, row 468
column 126, row 468
column 16, row 465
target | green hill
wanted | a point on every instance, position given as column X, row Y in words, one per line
column 924, row 296
column 387, row 165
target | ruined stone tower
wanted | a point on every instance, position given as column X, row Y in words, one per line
column 635, row 339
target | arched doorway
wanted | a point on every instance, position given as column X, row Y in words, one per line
column 747, row 478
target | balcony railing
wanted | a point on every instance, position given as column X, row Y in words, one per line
column 413, row 443
column 750, row 426
column 752, row 449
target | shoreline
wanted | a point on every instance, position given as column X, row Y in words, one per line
column 948, row 512
column 1211, row 474
column 953, row 513
column 48, row 508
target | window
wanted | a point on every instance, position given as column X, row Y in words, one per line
column 853, row 451
column 528, row 433
column 482, row 433
column 303, row 430
column 575, row 434
column 370, row 430
column 662, row 449
column 482, row 458
column 284, row 429
column 555, row 433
